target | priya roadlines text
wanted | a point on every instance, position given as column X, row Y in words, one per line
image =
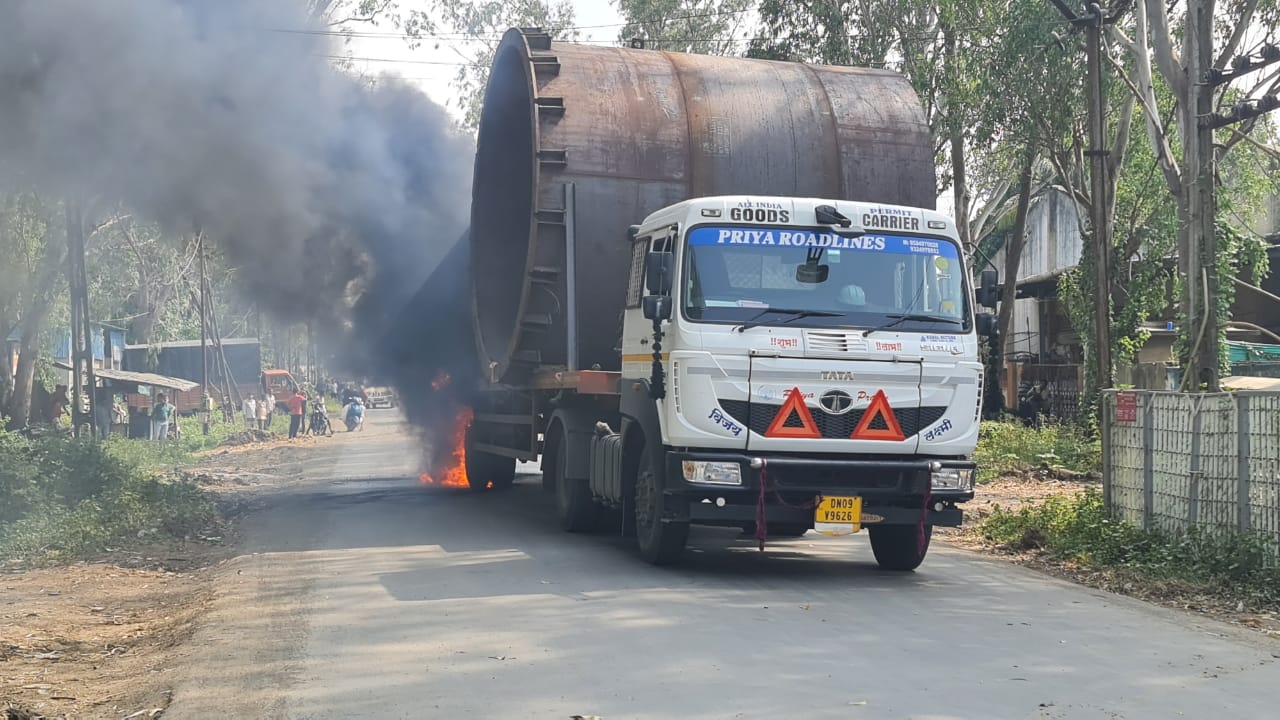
column 798, row 238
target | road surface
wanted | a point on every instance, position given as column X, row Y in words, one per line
column 363, row 594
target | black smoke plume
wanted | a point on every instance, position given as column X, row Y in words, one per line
column 336, row 197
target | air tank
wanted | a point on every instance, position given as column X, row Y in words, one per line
column 576, row 143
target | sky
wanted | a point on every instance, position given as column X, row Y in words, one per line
column 432, row 66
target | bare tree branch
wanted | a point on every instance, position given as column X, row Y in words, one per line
column 1237, row 35
column 1151, row 13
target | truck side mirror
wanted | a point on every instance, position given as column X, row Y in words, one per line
column 989, row 289
column 985, row 324
column 657, row 307
column 657, row 274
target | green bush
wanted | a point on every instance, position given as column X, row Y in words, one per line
column 62, row 498
column 1011, row 448
column 1080, row 529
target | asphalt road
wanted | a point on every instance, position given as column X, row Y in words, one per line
column 366, row 595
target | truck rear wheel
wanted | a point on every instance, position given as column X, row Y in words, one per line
column 578, row 511
column 899, row 547
column 486, row 471
column 660, row 542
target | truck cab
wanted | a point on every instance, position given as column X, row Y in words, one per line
column 786, row 365
column 812, row 362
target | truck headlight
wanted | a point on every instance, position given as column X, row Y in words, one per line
column 956, row 479
column 714, row 473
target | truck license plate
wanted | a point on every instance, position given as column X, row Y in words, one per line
column 837, row 516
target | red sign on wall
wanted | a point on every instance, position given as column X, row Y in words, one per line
column 1126, row 407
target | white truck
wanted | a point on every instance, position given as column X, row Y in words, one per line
column 787, row 364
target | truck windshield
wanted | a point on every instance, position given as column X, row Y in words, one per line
column 732, row 273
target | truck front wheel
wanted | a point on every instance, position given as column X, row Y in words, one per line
column 660, row 542
column 899, row 547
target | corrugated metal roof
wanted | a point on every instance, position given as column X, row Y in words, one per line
column 164, row 381
column 194, row 343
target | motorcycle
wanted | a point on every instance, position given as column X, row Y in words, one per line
column 320, row 424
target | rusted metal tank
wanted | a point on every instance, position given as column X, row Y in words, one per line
column 577, row 143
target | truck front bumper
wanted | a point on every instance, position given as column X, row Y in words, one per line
column 894, row 491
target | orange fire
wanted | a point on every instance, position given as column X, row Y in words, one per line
column 451, row 470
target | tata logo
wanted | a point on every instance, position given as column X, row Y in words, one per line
column 836, row 402
column 836, row 375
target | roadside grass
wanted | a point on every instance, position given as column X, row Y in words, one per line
column 62, row 499
column 1079, row 530
column 1010, row 448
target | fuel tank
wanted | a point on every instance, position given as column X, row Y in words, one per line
column 576, row 143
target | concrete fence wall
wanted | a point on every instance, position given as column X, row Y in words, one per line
column 1175, row 461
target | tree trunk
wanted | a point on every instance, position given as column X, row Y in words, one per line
column 36, row 314
column 28, row 352
column 6, row 370
column 955, row 138
column 1013, row 254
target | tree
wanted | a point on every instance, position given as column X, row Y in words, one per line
column 1157, row 79
column 36, row 228
column 482, row 24
column 705, row 27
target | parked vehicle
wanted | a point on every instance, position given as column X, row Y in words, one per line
column 380, row 396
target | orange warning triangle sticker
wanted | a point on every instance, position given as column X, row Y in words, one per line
column 794, row 404
column 879, row 407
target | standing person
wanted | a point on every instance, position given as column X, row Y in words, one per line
column 250, row 412
column 264, row 412
column 161, row 416
column 58, row 405
column 102, row 411
column 296, row 403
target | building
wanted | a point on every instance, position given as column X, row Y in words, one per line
column 1045, row 347
column 108, row 348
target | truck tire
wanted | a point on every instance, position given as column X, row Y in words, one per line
column 486, row 471
column 660, row 543
column 577, row 509
column 898, row 547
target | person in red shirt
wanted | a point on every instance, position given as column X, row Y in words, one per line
column 296, row 402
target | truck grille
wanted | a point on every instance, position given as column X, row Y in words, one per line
column 832, row 341
column 758, row 416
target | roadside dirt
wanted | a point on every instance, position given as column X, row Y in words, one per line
column 1017, row 492
column 98, row 639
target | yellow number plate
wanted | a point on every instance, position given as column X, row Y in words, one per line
column 838, row 516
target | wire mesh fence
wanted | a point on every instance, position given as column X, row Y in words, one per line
column 1175, row 461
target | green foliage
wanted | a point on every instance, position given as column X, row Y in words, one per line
column 1080, row 529
column 62, row 498
column 704, row 27
column 483, row 22
column 1011, row 448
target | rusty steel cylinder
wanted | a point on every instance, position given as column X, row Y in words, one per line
column 577, row 143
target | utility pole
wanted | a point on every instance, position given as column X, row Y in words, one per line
column 1100, row 182
column 1092, row 22
column 1199, row 244
column 82, row 374
column 204, row 338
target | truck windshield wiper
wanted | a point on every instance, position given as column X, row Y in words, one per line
column 899, row 319
column 796, row 315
